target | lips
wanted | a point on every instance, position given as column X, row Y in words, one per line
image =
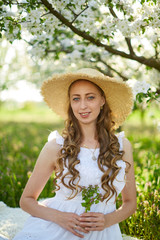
column 84, row 114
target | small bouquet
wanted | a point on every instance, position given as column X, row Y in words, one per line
column 90, row 195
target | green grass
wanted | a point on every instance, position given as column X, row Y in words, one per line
column 20, row 145
column 28, row 112
column 23, row 133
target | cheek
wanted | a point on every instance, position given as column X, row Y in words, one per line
column 97, row 106
column 74, row 107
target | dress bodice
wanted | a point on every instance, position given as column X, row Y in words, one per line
column 89, row 172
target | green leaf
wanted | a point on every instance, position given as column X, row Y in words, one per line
column 142, row 1
column 10, row 28
column 83, row 204
column 143, row 29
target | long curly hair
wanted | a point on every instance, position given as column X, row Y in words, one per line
column 109, row 151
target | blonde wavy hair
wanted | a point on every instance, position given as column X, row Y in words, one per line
column 109, row 151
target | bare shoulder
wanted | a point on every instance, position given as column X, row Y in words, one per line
column 127, row 144
column 51, row 147
column 128, row 151
column 49, row 153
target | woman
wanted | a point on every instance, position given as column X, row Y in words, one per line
column 87, row 153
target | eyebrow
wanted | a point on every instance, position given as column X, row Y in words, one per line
column 85, row 94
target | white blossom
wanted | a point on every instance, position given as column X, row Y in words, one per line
column 75, row 54
column 67, row 42
column 140, row 22
column 23, row 1
column 87, row 21
column 138, row 87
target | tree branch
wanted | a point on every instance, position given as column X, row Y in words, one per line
column 60, row 50
column 151, row 62
column 156, row 51
column 77, row 15
column 112, row 12
column 114, row 70
column 109, row 73
column 128, row 40
column 45, row 14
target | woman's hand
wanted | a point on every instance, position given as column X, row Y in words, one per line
column 71, row 222
column 93, row 221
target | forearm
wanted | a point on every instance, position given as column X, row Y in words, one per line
column 37, row 209
column 66, row 220
column 122, row 213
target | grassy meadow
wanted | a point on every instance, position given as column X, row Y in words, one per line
column 24, row 131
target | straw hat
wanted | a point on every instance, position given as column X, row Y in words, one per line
column 118, row 94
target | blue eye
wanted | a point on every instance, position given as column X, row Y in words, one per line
column 75, row 99
column 91, row 97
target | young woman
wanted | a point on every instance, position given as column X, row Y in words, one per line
column 88, row 153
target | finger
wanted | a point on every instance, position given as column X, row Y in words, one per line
column 81, row 229
column 88, row 219
column 89, row 224
column 90, row 214
column 76, row 222
column 94, row 228
column 77, row 226
column 76, row 233
column 77, row 217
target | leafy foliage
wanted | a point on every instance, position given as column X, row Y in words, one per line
column 91, row 31
column 149, row 96
column 90, row 195
column 144, row 223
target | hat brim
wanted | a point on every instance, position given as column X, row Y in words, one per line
column 119, row 95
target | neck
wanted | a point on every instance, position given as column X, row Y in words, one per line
column 89, row 135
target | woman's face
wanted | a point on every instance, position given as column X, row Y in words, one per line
column 86, row 101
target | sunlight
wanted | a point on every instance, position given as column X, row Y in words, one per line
column 23, row 91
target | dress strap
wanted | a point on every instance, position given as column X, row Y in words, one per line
column 55, row 135
column 120, row 137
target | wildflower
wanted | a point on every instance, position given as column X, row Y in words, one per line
column 148, row 184
column 146, row 203
column 29, row 173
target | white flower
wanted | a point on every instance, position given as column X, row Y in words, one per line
column 124, row 27
column 154, row 38
column 23, row 1
column 67, row 42
column 15, row 31
column 138, row 87
column 75, row 54
column 143, row 86
column 95, row 19
column 92, row 3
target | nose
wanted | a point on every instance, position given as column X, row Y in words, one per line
column 83, row 104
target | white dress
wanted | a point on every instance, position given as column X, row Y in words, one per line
column 39, row 229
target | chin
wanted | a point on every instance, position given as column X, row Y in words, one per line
column 86, row 121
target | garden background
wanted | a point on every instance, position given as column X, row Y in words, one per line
column 119, row 38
